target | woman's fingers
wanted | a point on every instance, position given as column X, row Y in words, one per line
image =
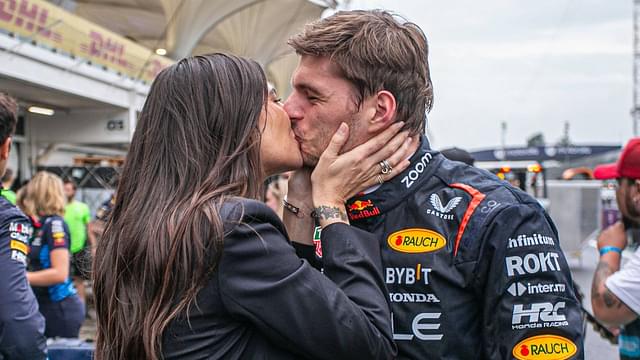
column 337, row 141
column 377, row 142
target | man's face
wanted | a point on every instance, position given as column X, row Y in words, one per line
column 320, row 101
column 69, row 191
column 626, row 192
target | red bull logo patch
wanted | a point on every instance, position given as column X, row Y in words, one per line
column 416, row 240
column 362, row 209
column 544, row 347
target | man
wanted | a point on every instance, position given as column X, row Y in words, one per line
column 7, row 181
column 21, row 324
column 615, row 293
column 77, row 216
column 473, row 267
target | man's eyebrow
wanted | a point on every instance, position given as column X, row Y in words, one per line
column 309, row 88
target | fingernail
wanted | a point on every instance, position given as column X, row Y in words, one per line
column 408, row 141
column 399, row 124
column 342, row 129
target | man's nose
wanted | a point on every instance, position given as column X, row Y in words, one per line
column 292, row 109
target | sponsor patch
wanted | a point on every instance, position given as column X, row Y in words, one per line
column 58, row 241
column 423, row 327
column 316, row 241
column 440, row 210
column 416, row 240
column 57, row 235
column 519, row 288
column 413, row 298
column 523, row 240
column 544, row 347
column 532, row 263
column 19, row 257
column 362, row 209
column 407, row 275
column 417, row 170
column 538, row 315
column 20, row 246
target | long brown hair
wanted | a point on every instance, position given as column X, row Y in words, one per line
column 196, row 144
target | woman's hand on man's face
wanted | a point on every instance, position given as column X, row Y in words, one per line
column 337, row 177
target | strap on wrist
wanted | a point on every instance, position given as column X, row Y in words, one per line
column 606, row 249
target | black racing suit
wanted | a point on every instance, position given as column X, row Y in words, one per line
column 473, row 266
column 21, row 324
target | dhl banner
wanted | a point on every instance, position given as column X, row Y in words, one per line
column 50, row 25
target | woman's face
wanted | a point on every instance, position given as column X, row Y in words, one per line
column 279, row 149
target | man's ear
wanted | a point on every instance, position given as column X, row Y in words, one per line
column 5, row 148
column 385, row 111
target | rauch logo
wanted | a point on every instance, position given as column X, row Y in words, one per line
column 416, row 240
column 545, row 347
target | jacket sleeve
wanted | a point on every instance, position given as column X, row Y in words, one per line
column 530, row 306
column 21, row 324
column 342, row 315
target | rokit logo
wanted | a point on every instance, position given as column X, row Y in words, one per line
column 421, row 327
column 538, row 315
column 532, row 263
column 519, row 289
column 407, row 275
column 413, row 298
column 530, row 240
column 416, row 240
column 418, row 169
column 544, row 347
column 442, row 211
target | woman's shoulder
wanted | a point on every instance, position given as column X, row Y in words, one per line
column 247, row 211
column 239, row 214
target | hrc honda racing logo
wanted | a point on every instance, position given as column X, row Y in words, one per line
column 544, row 347
column 416, row 240
column 538, row 315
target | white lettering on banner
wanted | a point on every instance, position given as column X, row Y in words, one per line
column 532, row 263
column 532, row 240
column 519, row 289
column 407, row 275
column 413, row 298
column 538, row 315
column 418, row 169
column 418, row 326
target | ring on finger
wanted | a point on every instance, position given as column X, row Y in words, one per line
column 385, row 167
column 380, row 179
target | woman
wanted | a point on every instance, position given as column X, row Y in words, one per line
column 43, row 201
column 191, row 265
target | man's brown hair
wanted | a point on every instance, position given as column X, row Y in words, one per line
column 8, row 116
column 375, row 50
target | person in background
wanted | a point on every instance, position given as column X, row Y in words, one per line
column 615, row 291
column 21, row 324
column 77, row 216
column 7, row 181
column 457, row 154
column 49, row 257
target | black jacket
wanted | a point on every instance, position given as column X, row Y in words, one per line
column 473, row 266
column 21, row 324
column 264, row 302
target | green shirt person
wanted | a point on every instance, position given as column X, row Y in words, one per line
column 77, row 216
column 7, row 182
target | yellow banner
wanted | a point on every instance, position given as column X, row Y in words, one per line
column 48, row 24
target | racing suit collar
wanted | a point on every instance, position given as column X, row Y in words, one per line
column 367, row 205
